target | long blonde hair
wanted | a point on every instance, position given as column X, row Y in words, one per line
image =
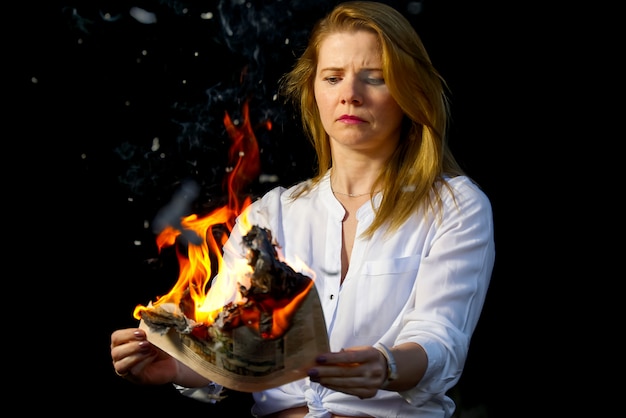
column 422, row 158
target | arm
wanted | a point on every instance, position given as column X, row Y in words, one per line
column 431, row 339
column 451, row 288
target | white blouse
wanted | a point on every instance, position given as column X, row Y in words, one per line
column 425, row 283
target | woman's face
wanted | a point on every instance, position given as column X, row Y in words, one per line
column 355, row 106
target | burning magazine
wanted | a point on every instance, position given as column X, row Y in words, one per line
column 267, row 338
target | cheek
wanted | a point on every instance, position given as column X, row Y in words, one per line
column 324, row 99
column 392, row 110
column 323, row 105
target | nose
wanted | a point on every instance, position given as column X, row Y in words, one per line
column 350, row 93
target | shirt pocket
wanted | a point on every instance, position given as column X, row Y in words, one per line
column 382, row 292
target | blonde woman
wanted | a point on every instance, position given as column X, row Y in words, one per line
column 400, row 239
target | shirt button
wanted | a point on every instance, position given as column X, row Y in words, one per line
column 332, row 297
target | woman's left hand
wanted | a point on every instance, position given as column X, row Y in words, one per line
column 358, row 371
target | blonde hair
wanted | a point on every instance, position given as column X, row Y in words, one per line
column 422, row 158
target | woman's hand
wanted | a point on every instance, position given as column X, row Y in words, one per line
column 358, row 371
column 136, row 359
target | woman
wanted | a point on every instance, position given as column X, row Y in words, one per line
column 399, row 238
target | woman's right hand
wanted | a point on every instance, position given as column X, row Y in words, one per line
column 136, row 359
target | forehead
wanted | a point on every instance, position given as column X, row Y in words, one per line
column 342, row 48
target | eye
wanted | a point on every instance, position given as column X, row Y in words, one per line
column 332, row 80
column 374, row 78
column 375, row 81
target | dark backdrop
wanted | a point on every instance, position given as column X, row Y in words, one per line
column 117, row 110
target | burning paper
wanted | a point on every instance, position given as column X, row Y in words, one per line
column 268, row 339
column 242, row 360
column 270, row 334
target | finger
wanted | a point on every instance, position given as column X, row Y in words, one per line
column 350, row 356
column 364, row 379
column 123, row 336
column 141, row 364
column 340, row 371
column 370, row 369
column 360, row 392
column 126, row 357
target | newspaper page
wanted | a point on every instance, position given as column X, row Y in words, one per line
column 247, row 362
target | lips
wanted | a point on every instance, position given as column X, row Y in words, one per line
column 350, row 119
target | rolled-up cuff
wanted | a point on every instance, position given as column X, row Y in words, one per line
column 210, row 393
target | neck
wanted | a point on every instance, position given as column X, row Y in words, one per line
column 351, row 186
column 351, row 194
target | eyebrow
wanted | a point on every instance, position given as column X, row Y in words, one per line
column 368, row 69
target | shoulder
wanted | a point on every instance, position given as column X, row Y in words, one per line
column 284, row 194
column 274, row 199
column 463, row 188
column 464, row 195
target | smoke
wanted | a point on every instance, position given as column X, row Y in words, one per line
column 180, row 67
column 179, row 207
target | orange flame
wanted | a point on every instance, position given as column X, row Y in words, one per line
column 195, row 266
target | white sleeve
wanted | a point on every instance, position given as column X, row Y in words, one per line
column 210, row 393
column 452, row 284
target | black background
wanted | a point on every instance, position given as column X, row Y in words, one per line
column 98, row 87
